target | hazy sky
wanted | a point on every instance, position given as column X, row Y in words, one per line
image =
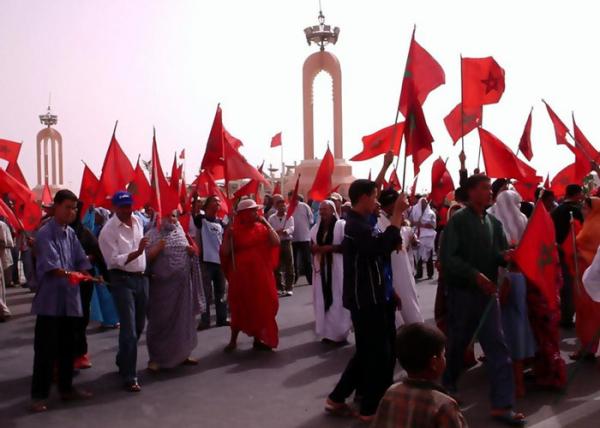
column 168, row 63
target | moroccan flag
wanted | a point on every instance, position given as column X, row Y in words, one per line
column 527, row 188
column 417, row 136
column 500, row 161
column 460, row 121
column 293, row 202
column 215, row 190
column 9, row 215
column 236, row 143
column 276, row 140
column 213, row 155
column 88, row 189
column 422, row 75
column 321, row 187
column 277, row 188
column 562, row 179
column 584, row 144
column 27, row 210
column 482, row 81
column 46, row 195
column 381, row 142
column 163, row 199
column 560, row 129
column 182, row 154
column 176, row 171
column 9, row 150
column 537, row 254
column 413, row 187
column 525, row 141
column 13, row 169
column 248, row 189
column 139, row 188
column 583, row 164
column 441, row 182
column 394, row 182
column 116, row 174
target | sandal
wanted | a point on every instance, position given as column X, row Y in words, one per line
column 337, row 409
column 38, row 406
column 509, row 417
column 133, row 387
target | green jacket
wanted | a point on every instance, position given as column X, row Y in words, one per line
column 470, row 245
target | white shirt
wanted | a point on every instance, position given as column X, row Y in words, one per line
column 7, row 239
column 117, row 241
column 281, row 223
column 303, row 219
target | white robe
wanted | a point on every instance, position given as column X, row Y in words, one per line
column 426, row 236
column 591, row 278
column 335, row 323
column 403, row 278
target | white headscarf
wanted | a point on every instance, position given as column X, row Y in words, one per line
column 507, row 210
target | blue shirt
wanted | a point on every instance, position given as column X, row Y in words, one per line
column 57, row 247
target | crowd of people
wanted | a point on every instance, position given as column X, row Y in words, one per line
column 363, row 258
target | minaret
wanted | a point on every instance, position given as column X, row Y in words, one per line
column 45, row 175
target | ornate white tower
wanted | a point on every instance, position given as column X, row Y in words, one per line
column 47, row 161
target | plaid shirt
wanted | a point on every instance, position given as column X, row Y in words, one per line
column 418, row 404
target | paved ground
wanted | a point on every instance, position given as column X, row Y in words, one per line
column 246, row 389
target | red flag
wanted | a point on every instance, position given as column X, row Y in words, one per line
column 413, row 188
column 88, row 189
column 417, row 136
column 441, row 182
column 27, row 210
column 381, row 142
column 213, row 155
column 163, row 199
column 560, row 129
column 13, row 169
column 460, row 122
column 482, row 81
column 568, row 246
column 422, row 75
column 215, row 190
column 583, row 165
column 182, row 154
column 10, row 216
column 250, row 188
column 236, row 143
column 321, row 187
column 277, row 188
column 561, row 180
column 9, row 150
column 116, row 174
column 500, row 161
column 584, row 144
column 184, row 199
column 527, row 189
column 175, row 175
column 139, row 188
column 537, row 255
column 293, row 200
column 394, row 182
column 276, row 140
column 525, row 142
column 46, row 195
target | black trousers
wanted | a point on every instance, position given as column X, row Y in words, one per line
column 567, row 305
column 371, row 368
column 214, row 286
column 303, row 260
column 86, row 290
column 54, row 343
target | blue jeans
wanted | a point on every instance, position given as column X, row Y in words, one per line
column 465, row 309
column 130, row 294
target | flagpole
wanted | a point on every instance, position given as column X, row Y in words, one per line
column 462, row 109
column 282, row 170
column 115, row 128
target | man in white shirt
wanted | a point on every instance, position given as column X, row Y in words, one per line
column 123, row 246
column 303, row 220
column 284, row 226
column 6, row 243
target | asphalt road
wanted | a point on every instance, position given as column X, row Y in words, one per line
column 248, row 389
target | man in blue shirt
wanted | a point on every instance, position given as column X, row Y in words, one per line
column 57, row 303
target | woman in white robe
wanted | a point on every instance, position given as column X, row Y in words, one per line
column 332, row 320
column 402, row 267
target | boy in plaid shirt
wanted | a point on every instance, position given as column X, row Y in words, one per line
column 419, row 401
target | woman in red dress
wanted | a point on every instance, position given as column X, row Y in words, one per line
column 249, row 255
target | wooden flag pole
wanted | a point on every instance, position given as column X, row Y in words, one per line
column 115, row 128
column 462, row 110
column 283, row 168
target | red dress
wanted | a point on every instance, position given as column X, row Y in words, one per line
column 252, row 295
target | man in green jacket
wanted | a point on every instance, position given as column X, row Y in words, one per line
column 473, row 248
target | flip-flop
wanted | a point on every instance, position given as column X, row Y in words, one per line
column 510, row 417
